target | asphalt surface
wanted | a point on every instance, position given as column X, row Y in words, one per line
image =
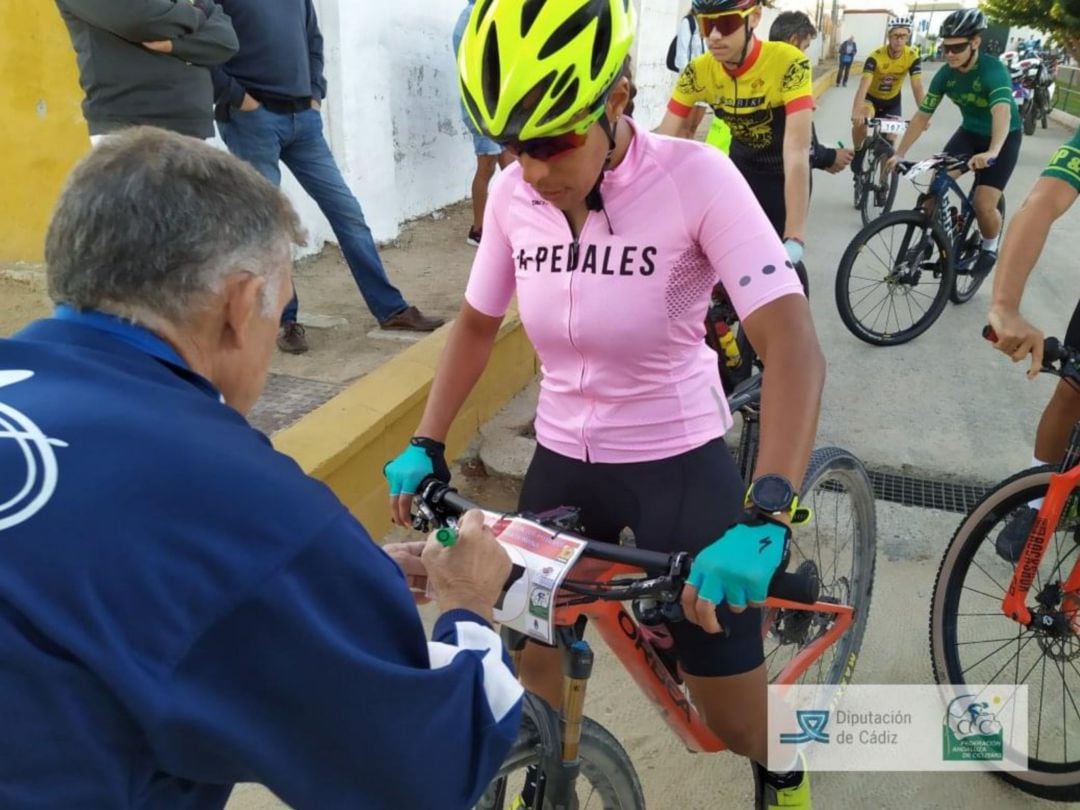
column 945, row 404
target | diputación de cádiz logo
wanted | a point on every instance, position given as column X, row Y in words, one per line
column 970, row 730
column 23, row 496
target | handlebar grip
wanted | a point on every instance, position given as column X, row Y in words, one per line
column 1051, row 350
column 795, row 587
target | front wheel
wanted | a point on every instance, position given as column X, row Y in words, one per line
column 838, row 547
column 607, row 779
column 880, row 190
column 1027, row 115
column 894, row 278
column 973, row 642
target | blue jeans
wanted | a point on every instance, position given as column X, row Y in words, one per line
column 262, row 138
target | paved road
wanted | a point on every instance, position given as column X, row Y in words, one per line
column 946, row 403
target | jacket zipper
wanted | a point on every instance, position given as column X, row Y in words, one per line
column 575, row 249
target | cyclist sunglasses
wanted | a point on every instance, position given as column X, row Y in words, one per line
column 726, row 22
column 956, row 47
column 553, row 147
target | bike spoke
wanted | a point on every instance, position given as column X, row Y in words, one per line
column 980, row 593
column 992, row 652
column 987, row 575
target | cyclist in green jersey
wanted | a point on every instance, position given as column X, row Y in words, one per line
column 1053, row 194
column 990, row 130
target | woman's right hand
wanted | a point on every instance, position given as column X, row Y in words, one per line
column 423, row 457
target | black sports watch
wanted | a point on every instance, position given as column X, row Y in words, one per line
column 772, row 495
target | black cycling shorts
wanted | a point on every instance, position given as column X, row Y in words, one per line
column 1072, row 334
column 682, row 503
column 769, row 190
column 885, row 106
column 965, row 143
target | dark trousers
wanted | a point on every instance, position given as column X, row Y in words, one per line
column 842, row 72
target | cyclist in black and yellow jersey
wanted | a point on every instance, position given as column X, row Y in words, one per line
column 883, row 76
column 762, row 90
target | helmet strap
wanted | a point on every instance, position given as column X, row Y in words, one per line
column 594, row 200
column 746, row 40
column 971, row 57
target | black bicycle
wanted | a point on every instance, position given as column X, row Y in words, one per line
column 875, row 185
column 899, row 271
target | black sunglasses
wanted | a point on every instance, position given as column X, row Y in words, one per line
column 956, row 47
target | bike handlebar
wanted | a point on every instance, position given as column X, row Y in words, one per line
column 1053, row 350
column 443, row 501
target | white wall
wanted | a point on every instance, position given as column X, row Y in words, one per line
column 392, row 114
column 868, row 30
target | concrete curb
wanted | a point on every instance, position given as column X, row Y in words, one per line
column 1065, row 119
column 823, row 82
column 346, row 441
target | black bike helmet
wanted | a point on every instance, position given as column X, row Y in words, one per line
column 967, row 22
column 718, row 6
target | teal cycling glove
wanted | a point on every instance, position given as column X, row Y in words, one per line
column 794, row 250
column 740, row 565
column 422, row 458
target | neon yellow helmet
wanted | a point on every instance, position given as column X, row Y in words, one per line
column 529, row 68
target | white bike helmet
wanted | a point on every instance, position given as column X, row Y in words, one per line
column 899, row 22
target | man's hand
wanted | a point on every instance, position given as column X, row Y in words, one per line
column 890, row 164
column 249, row 103
column 843, row 158
column 469, row 574
column 1017, row 338
column 858, row 119
column 159, row 45
column 407, row 557
column 316, row 104
column 983, row 160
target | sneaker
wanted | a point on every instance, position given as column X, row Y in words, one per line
column 413, row 320
column 1010, row 540
column 292, row 338
column 984, row 263
column 791, row 798
column 473, row 238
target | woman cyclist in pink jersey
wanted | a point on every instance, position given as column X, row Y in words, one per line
column 612, row 238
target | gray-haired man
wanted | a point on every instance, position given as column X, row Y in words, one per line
column 181, row 608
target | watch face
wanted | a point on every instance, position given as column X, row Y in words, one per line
column 772, row 493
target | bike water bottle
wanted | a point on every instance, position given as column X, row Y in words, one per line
column 732, row 356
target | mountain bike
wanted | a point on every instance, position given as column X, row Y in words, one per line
column 875, row 185
column 813, row 625
column 991, row 619
column 899, row 271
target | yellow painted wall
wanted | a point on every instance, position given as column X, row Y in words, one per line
column 42, row 132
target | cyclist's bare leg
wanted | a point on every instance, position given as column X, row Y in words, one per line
column 1056, row 424
column 485, row 170
column 985, row 201
column 734, row 708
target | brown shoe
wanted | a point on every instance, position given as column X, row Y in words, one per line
column 412, row 319
column 292, row 339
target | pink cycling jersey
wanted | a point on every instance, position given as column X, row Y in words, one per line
column 617, row 316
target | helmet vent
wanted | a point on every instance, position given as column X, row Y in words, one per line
column 573, row 26
column 530, row 10
column 519, row 117
column 562, row 105
column 478, row 16
column 492, row 70
column 602, row 41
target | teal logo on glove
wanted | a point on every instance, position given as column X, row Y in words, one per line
column 739, row 566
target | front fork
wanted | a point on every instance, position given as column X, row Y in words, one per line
column 1014, row 605
column 558, row 773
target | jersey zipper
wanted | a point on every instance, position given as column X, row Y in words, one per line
column 575, row 249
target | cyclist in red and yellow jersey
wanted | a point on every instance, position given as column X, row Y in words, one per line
column 762, row 90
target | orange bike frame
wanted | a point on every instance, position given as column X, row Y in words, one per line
column 621, row 634
column 1014, row 605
